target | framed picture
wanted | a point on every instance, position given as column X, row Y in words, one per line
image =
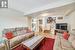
column 60, row 18
column 51, row 19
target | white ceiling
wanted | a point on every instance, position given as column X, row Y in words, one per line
column 27, row 6
column 63, row 10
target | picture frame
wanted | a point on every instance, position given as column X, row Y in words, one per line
column 51, row 19
column 60, row 18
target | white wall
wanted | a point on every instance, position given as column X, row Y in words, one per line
column 71, row 21
column 10, row 18
column 29, row 22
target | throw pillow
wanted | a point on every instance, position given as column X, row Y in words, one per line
column 9, row 35
column 66, row 35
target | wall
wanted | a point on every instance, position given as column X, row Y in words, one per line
column 71, row 21
column 29, row 21
column 10, row 18
column 44, row 18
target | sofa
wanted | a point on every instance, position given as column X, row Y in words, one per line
column 19, row 35
column 63, row 44
column 3, row 44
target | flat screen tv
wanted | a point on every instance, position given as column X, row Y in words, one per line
column 61, row 26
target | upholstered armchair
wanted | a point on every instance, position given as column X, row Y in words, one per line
column 62, row 44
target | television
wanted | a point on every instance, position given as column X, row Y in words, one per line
column 61, row 26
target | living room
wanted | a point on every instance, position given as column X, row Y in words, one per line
column 37, row 25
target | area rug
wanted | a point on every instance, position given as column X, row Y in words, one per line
column 46, row 44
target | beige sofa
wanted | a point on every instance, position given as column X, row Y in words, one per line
column 17, row 40
column 20, row 36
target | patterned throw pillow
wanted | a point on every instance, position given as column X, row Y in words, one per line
column 9, row 35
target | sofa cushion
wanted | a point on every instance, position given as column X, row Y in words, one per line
column 15, row 33
column 21, row 32
column 14, row 41
column 28, row 31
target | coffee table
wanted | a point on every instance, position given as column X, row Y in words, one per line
column 31, row 43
